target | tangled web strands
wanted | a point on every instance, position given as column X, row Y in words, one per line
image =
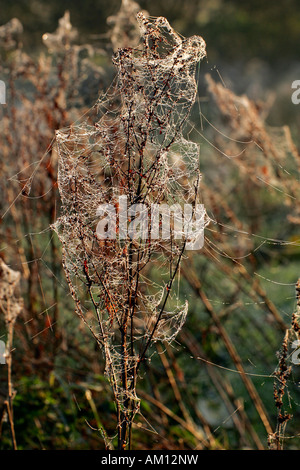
column 136, row 150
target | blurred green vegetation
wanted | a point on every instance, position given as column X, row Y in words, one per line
column 233, row 30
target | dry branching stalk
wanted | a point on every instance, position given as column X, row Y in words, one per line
column 282, row 374
column 136, row 155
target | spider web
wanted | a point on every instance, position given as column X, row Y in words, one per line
column 135, row 149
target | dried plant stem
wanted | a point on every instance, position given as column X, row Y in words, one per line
column 11, row 393
column 202, row 442
column 225, row 391
column 196, row 285
column 129, row 153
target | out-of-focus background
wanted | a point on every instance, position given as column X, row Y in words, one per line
column 254, row 44
column 214, row 388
